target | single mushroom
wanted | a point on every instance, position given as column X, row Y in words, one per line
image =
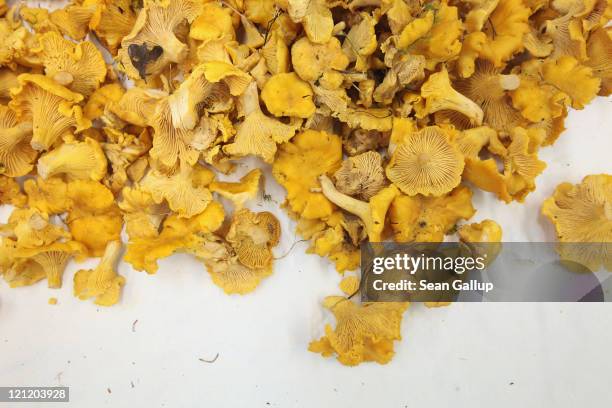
column 426, row 163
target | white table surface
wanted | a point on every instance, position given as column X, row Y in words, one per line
column 502, row 355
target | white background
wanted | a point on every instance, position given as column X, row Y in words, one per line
column 502, row 355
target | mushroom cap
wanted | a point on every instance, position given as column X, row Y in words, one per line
column 50, row 107
column 111, row 21
column 360, row 42
column 234, row 277
column 258, row 134
column 426, row 163
column 315, row 17
column 490, row 89
column 185, row 234
column 239, row 193
column 80, row 160
column 286, row 94
column 298, row 165
column 509, row 22
column 183, row 197
column 213, row 23
column 82, row 63
column 171, row 145
column 153, row 43
column 31, row 228
column 582, row 213
column 310, row 60
column 443, row 41
column 141, row 214
column 428, row 219
column 576, row 80
column 481, row 232
column 362, row 175
column 103, row 283
column 362, row 332
column 276, row 54
column 252, row 235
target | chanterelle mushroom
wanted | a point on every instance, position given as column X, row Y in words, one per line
column 582, row 214
column 426, row 163
column 440, row 95
column 362, row 176
column 153, row 43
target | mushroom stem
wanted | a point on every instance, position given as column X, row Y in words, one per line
column 509, row 82
column 63, row 78
column 347, row 203
column 111, row 255
column 440, row 95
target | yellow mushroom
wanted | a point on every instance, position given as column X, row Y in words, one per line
column 315, row 16
column 153, row 43
column 363, row 332
column 10, row 192
column 312, row 61
column 239, row 193
column 253, row 235
column 521, row 165
column 298, row 166
column 213, row 23
column 50, row 261
column 258, row 134
column 471, row 141
column 171, row 145
column 50, row 107
column 489, row 89
column 362, row 176
column 576, row 80
column 141, row 214
column 479, row 13
column 286, row 94
column 218, row 71
column 73, row 20
column 509, row 22
column 599, row 51
column 136, row 106
column 111, row 21
column 416, row 29
column 440, row 95
column 372, row 213
column 16, row 154
column 30, row 228
column 360, row 42
column 426, row 163
column 276, row 54
column 428, row 219
column 102, row 283
column 482, row 239
column 443, row 41
column 79, row 160
column 177, row 234
column 226, row 271
column 582, row 214
column 80, row 68
column 92, row 207
column 178, row 190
